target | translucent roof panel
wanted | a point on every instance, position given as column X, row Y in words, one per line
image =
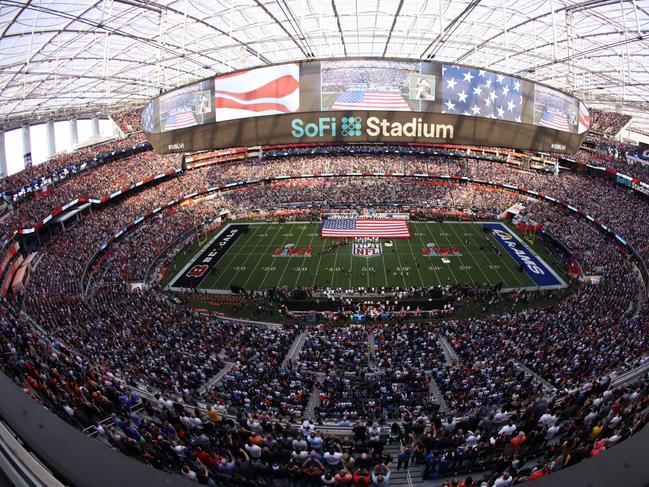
column 64, row 57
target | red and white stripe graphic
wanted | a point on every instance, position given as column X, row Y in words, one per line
column 262, row 91
column 584, row 119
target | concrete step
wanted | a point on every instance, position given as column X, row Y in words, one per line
column 294, row 351
column 313, row 402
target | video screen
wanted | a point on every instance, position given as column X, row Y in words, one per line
column 554, row 109
column 478, row 93
column 374, row 85
column 365, row 85
column 185, row 107
column 270, row 90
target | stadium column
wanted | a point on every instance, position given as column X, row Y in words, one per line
column 74, row 132
column 51, row 141
column 27, row 146
column 3, row 156
column 94, row 127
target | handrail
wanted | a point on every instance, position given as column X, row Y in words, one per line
column 22, row 467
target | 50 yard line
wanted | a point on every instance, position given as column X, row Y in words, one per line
column 289, row 259
column 304, row 259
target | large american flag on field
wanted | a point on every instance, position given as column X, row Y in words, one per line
column 365, row 228
column 480, row 93
column 262, row 91
column 179, row 120
column 370, row 100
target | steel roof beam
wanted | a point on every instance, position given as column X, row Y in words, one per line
column 394, row 22
column 575, row 7
column 445, row 35
column 342, row 36
column 157, row 8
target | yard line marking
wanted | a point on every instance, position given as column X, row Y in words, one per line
column 502, row 279
column 248, row 255
column 279, row 229
column 423, row 244
column 517, row 278
column 333, row 272
column 448, row 241
column 288, row 260
column 304, row 259
column 317, row 270
column 472, row 257
column 233, row 261
column 414, row 258
column 351, row 266
column 271, row 267
column 385, row 272
column 401, row 269
column 450, row 266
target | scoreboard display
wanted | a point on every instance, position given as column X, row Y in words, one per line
column 365, row 100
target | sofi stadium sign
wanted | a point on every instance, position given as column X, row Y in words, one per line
column 355, row 126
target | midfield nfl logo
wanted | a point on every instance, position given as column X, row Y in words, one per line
column 367, row 249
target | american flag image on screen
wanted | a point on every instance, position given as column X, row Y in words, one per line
column 179, row 120
column 365, row 228
column 479, row 93
column 370, row 100
column 557, row 121
column 148, row 119
column 263, row 91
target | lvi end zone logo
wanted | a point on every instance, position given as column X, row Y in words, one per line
column 290, row 250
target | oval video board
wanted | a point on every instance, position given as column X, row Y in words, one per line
column 365, row 100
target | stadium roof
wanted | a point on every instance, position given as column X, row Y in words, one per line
column 63, row 57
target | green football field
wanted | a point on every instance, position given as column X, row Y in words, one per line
column 257, row 256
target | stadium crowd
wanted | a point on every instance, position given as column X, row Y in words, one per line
column 60, row 161
column 128, row 121
column 365, row 378
column 606, row 122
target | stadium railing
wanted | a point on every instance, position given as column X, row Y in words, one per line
column 71, row 457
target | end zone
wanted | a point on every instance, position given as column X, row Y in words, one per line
column 535, row 267
column 198, row 268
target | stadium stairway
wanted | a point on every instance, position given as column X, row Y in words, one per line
column 313, row 402
column 404, row 477
column 546, row 385
column 449, row 353
column 215, row 380
column 295, row 349
column 370, row 351
column 437, row 396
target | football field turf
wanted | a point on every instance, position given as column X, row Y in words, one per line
column 258, row 256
